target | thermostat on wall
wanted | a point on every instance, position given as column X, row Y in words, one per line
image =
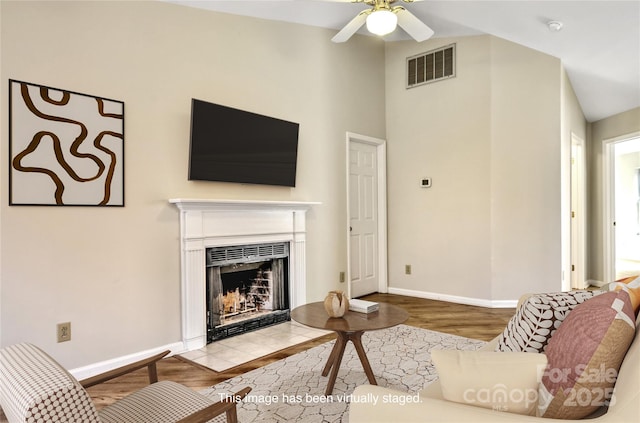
column 425, row 182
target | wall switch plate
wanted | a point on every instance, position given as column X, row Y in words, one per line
column 342, row 277
column 407, row 269
column 425, row 182
column 64, row 332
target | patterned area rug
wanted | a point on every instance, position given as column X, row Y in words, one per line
column 293, row 389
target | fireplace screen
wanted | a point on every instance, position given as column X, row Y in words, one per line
column 247, row 288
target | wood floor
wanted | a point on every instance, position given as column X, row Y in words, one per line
column 457, row 319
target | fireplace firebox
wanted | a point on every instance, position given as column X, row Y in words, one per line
column 247, row 288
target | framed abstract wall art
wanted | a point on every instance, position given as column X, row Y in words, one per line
column 65, row 148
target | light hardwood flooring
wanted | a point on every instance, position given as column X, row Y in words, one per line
column 457, row 319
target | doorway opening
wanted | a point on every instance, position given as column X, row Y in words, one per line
column 622, row 207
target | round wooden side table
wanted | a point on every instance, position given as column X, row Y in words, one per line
column 349, row 327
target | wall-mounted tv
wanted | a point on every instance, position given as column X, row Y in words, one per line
column 232, row 145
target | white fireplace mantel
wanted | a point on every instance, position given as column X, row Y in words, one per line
column 213, row 223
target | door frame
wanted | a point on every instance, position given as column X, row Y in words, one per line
column 381, row 156
column 579, row 207
column 609, row 203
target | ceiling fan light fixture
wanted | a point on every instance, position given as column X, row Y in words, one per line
column 382, row 22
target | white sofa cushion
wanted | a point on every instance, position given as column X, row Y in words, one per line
column 503, row 381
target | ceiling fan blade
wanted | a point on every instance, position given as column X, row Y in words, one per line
column 351, row 28
column 412, row 25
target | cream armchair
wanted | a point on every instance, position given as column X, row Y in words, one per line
column 35, row 388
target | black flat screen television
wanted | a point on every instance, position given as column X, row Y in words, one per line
column 232, row 145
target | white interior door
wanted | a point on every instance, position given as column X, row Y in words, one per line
column 364, row 275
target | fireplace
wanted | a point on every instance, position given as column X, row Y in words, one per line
column 207, row 224
column 247, row 288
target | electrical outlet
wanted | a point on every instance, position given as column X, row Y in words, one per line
column 407, row 269
column 342, row 277
column 64, row 332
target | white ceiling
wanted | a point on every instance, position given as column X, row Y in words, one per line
column 599, row 44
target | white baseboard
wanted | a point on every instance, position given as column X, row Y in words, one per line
column 104, row 366
column 454, row 298
column 597, row 283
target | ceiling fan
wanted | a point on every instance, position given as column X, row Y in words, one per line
column 382, row 20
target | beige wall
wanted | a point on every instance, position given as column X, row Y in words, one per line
column 442, row 131
column 600, row 132
column 490, row 139
column 114, row 272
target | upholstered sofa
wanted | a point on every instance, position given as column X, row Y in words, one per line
column 432, row 406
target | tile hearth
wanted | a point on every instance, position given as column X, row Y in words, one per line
column 230, row 352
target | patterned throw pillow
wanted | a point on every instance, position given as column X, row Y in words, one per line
column 584, row 357
column 538, row 318
column 632, row 286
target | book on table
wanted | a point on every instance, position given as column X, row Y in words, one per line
column 362, row 306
